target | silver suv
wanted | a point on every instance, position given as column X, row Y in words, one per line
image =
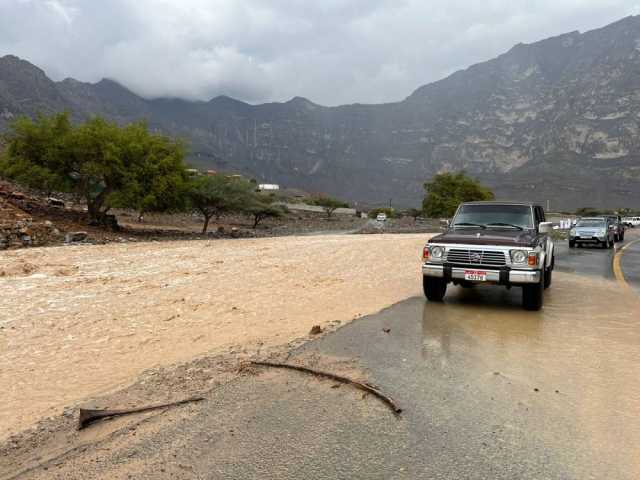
column 499, row 243
column 592, row 231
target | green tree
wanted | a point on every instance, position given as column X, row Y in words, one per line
column 35, row 153
column 99, row 161
column 328, row 204
column 218, row 195
column 447, row 190
column 158, row 180
column 261, row 207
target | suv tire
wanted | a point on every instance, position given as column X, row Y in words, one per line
column 572, row 244
column 548, row 274
column 533, row 296
column 434, row 288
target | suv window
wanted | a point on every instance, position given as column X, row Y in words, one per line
column 592, row 222
column 487, row 214
column 539, row 213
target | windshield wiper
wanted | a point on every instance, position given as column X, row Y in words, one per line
column 500, row 224
column 466, row 224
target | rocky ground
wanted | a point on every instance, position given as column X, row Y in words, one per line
column 28, row 219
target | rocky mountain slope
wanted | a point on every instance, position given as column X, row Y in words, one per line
column 555, row 120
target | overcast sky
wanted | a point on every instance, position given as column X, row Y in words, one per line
column 330, row 51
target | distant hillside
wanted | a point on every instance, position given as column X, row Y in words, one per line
column 558, row 119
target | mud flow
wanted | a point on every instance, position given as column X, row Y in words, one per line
column 78, row 322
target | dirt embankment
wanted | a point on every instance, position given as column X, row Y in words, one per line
column 80, row 321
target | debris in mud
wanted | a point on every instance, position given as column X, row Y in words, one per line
column 88, row 416
column 386, row 330
column 73, row 237
column 368, row 388
column 316, row 330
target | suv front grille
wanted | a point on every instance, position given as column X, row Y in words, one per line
column 476, row 257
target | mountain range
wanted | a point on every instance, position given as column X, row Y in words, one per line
column 556, row 120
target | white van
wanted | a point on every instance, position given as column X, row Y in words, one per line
column 631, row 221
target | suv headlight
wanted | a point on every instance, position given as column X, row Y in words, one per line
column 572, row 232
column 602, row 233
column 437, row 253
column 518, row 256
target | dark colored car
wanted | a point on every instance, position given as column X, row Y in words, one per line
column 618, row 227
column 500, row 243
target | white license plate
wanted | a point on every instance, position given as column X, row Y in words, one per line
column 475, row 275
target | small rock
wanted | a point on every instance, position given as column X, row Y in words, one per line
column 73, row 237
column 315, row 330
column 536, row 390
column 386, row 330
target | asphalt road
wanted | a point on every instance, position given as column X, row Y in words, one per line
column 488, row 391
column 629, row 259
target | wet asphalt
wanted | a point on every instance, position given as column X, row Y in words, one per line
column 488, row 391
column 630, row 261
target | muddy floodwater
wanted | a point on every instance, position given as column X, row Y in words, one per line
column 488, row 390
column 76, row 322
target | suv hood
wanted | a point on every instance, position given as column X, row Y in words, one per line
column 474, row 236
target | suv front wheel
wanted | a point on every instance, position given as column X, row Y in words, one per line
column 533, row 295
column 548, row 273
column 434, row 288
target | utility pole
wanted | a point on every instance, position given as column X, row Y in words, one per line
column 548, row 203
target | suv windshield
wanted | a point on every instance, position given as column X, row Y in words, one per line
column 493, row 216
column 590, row 223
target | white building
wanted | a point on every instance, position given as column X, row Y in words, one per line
column 268, row 187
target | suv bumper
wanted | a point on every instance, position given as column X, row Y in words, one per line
column 502, row 277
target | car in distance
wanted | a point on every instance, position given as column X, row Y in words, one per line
column 382, row 217
column 618, row 227
column 501, row 243
column 592, row 231
column 631, row 221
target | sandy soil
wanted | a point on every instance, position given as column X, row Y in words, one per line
column 82, row 321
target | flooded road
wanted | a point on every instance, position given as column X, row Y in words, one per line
column 489, row 391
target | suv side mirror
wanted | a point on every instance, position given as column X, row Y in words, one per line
column 545, row 227
column 444, row 224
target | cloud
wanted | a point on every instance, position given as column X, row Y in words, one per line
column 331, row 51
